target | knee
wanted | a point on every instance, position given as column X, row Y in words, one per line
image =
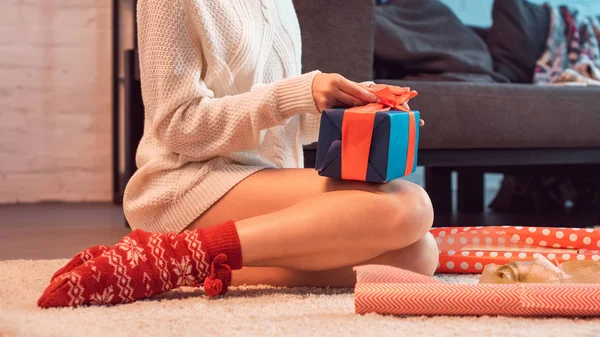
column 411, row 214
column 426, row 257
column 421, row 257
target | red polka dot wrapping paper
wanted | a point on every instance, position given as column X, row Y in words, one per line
column 470, row 249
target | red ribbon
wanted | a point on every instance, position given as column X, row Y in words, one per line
column 357, row 133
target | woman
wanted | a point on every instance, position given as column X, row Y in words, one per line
column 227, row 112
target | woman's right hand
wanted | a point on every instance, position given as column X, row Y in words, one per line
column 335, row 91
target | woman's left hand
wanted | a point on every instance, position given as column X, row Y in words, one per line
column 396, row 90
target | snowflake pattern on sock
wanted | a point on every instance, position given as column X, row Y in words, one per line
column 143, row 264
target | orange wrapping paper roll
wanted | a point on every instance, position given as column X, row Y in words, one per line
column 470, row 249
column 389, row 290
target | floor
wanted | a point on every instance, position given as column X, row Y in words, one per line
column 57, row 230
column 245, row 311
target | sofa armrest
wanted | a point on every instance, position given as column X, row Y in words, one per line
column 338, row 36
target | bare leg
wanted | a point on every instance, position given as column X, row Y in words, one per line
column 420, row 257
column 298, row 221
column 342, row 227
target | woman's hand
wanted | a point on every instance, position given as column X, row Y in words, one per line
column 335, row 91
column 373, row 87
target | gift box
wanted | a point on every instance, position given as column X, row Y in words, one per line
column 394, row 291
column 470, row 249
column 374, row 143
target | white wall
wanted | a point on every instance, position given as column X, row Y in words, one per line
column 55, row 105
column 478, row 12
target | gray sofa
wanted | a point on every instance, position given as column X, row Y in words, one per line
column 472, row 128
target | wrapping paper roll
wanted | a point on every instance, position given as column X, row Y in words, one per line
column 389, row 290
column 470, row 249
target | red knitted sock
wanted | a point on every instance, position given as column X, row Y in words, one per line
column 143, row 264
column 79, row 259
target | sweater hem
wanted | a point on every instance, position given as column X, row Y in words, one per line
column 178, row 215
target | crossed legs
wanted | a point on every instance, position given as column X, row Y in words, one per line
column 299, row 229
column 290, row 228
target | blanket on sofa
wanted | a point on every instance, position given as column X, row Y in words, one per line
column 571, row 58
column 572, row 55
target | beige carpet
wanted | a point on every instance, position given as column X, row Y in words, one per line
column 248, row 311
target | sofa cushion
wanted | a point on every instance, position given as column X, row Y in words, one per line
column 425, row 39
column 517, row 38
column 505, row 116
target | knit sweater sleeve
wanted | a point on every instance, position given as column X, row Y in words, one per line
column 309, row 128
column 184, row 114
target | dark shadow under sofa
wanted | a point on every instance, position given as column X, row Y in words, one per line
column 471, row 128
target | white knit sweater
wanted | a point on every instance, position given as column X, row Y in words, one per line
column 224, row 98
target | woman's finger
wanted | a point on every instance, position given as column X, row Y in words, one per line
column 339, row 104
column 347, row 99
column 421, row 122
column 358, row 91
